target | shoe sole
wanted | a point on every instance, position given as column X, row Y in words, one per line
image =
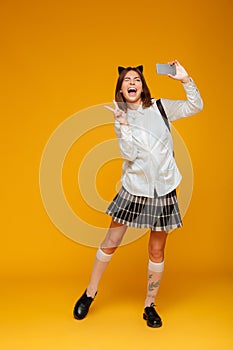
column 150, row 325
column 78, row 318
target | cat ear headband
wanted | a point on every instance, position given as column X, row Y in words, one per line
column 120, row 69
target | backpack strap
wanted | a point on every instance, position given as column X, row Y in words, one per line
column 163, row 113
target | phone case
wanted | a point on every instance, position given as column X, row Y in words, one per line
column 165, row 68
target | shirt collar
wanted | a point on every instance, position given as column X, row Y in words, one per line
column 140, row 110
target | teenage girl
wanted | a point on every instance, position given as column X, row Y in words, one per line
column 150, row 177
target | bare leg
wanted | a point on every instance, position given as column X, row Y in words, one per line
column 156, row 248
column 107, row 248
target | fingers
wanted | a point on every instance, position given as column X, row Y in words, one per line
column 119, row 115
column 174, row 62
column 171, row 76
column 117, row 109
column 116, row 105
column 109, row 108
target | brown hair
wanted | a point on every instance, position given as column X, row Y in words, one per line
column 145, row 96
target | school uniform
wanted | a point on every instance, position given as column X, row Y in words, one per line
column 150, row 174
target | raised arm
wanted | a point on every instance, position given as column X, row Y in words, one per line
column 176, row 109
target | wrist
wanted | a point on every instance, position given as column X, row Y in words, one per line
column 186, row 79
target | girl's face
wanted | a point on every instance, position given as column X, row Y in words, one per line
column 131, row 87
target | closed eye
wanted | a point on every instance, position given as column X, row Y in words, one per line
column 135, row 79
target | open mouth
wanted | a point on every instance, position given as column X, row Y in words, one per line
column 132, row 91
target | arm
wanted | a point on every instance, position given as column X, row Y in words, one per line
column 176, row 109
column 125, row 140
column 124, row 133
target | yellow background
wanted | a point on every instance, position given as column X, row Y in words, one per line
column 59, row 57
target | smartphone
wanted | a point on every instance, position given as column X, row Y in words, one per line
column 165, row 69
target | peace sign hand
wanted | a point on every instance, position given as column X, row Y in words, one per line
column 119, row 115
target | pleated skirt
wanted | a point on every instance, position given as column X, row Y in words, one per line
column 158, row 213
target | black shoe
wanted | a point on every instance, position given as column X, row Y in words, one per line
column 151, row 316
column 81, row 307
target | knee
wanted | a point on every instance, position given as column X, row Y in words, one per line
column 108, row 250
column 113, row 238
column 110, row 244
column 156, row 254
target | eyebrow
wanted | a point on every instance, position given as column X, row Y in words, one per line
column 132, row 78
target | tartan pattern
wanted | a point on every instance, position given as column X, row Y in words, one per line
column 158, row 213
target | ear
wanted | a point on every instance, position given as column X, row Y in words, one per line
column 140, row 68
column 120, row 69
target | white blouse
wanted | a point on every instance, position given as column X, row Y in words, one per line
column 147, row 147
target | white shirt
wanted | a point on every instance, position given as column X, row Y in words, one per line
column 147, row 147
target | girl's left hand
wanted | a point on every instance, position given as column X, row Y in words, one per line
column 181, row 73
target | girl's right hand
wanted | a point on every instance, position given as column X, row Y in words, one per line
column 119, row 115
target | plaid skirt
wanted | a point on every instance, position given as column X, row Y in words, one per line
column 158, row 213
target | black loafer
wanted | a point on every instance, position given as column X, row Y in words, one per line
column 82, row 306
column 151, row 316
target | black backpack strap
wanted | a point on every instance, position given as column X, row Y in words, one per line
column 163, row 113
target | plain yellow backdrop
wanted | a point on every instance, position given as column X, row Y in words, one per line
column 59, row 57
